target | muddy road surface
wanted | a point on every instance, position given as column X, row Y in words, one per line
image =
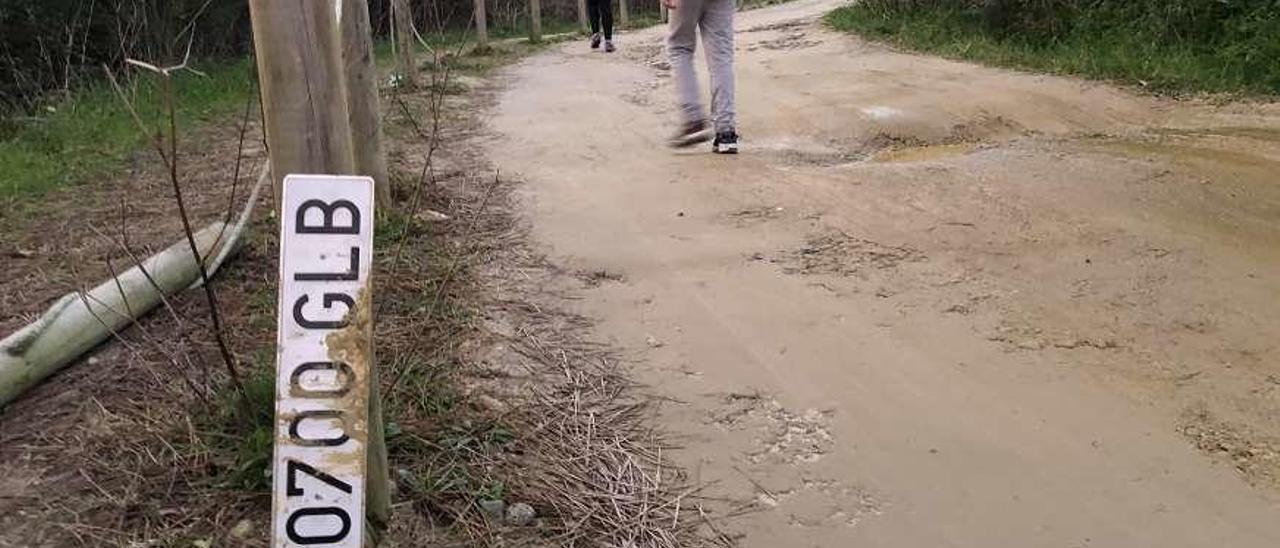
column 931, row 303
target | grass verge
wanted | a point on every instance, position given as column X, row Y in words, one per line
column 1123, row 48
column 90, row 134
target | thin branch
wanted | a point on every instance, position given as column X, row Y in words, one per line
column 235, row 175
column 228, row 359
column 170, row 159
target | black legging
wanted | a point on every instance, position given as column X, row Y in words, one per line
column 601, row 11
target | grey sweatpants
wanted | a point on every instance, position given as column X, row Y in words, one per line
column 715, row 19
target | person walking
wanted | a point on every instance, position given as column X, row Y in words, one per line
column 714, row 20
column 601, row 14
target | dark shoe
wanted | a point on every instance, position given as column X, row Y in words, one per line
column 689, row 134
column 595, row 41
column 726, row 143
column 608, row 46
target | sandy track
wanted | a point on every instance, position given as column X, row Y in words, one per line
column 932, row 304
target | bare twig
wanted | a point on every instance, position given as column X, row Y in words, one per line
column 235, row 174
column 170, row 158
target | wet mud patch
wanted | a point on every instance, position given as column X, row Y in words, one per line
column 1255, row 457
column 641, row 94
column 1190, row 152
column 785, row 446
column 839, row 254
column 598, row 277
column 792, row 38
column 1269, row 135
column 925, row 153
column 753, row 215
column 783, row 26
column 782, row 435
column 793, row 151
column 1020, row 337
column 652, row 54
column 825, row 503
column 903, row 145
column 893, row 142
column 985, row 127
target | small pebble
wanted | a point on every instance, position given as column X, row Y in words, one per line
column 242, row 529
column 520, row 514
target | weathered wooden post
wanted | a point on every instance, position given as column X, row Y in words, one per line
column 330, row 483
column 623, row 16
column 535, row 16
column 663, row 13
column 582, row 17
column 482, row 26
column 362, row 89
column 404, row 41
column 304, row 104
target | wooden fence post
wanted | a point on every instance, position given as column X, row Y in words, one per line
column 366, row 144
column 623, row 16
column 482, row 26
column 308, row 128
column 664, row 14
column 304, row 100
column 362, row 91
column 535, row 16
column 582, row 17
column 404, row 42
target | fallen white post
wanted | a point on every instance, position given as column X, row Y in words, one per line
column 80, row 321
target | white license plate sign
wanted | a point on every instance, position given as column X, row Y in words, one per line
column 322, row 371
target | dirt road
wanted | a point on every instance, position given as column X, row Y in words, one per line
column 931, row 304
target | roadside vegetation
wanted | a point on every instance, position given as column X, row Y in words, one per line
column 1219, row 46
column 89, row 134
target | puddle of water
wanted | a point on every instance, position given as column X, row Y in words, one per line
column 924, row 153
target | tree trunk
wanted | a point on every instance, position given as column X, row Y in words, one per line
column 404, row 41
column 304, row 100
column 482, row 26
column 535, row 20
column 362, row 89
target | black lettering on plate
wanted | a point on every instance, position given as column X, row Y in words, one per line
column 291, row 526
column 329, row 299
column 300, row 221
column 297, row 438
column 349, row 276
column 292, row 468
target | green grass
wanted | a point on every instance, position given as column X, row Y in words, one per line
column 1115, row 50
column 240, row 430
column 89, row 136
